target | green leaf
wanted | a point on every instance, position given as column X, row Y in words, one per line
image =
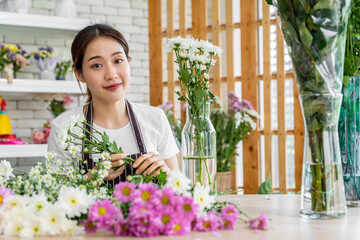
column 265, row 187
column 305, row 36
column 105, row 137
column 270, row 2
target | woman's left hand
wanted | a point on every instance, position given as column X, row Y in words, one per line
column 150, row 163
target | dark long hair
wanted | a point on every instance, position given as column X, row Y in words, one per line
column 85, row 36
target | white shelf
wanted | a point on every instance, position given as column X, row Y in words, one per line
column 40, row 86
column 40, row 24
column 28, row 150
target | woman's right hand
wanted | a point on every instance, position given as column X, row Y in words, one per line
column 116, row 161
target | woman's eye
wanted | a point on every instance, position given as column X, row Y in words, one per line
column 118, row 60
column 96, row 66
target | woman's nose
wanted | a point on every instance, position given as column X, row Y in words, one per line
column 111, row 73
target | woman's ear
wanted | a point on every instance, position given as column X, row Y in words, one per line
column 79, row 75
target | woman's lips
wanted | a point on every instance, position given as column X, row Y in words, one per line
column 113, row 86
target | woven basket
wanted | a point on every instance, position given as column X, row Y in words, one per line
column 223, row 181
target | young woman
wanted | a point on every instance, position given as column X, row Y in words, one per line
column 101, row 60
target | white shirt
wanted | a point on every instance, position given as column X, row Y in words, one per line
column 154, row 126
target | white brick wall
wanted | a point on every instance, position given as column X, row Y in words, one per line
column 28, row 112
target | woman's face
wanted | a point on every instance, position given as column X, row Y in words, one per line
column 105, row 70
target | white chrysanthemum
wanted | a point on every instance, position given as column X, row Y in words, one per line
column 81, row 135
column 105, row 156
column 103, row 173
column 82, row 119
column 202, row 67
column 74, row 201
column 71, row 227
column 14, row 227
column 61, row 139
column 252, row 113
column 35, row 227
column 95, row 159
column 184, row 55
column 206, row 76
column 34, row 173
column 174, row 43
column 202, row 197
column 107, row 165
column 39, row 203
column 74, row 150
column 50, row 155
column 178, row 181
column 6, row 170
column 53, row 219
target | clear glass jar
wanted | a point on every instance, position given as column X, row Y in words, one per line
column 198, row 140
column 322, row 189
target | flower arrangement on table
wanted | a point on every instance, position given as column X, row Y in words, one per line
column 12, row 59
column 61, row 69
column 42, row 136
column 175, row 124
column 232, row 125
column 41, row 203
column 194, row 59
column 59, row 195
column 44, row 60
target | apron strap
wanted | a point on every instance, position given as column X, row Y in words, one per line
column 136, row 128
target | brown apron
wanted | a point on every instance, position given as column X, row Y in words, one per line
column 129, row 170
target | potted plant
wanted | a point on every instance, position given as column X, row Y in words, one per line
column 61, row 69
column 349, row 124
column 231, row 125
column 12, row 59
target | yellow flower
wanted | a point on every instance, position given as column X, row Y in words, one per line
column 12, row 47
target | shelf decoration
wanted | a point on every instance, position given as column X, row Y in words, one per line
column 44, row 60
column 12, row 59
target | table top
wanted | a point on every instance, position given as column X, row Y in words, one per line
column 286, row 223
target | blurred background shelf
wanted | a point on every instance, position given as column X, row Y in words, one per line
column 40, row 86
column 28, row 150
column 31, row 24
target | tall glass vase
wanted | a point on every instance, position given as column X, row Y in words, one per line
column 198, row 139
column 349, row 135
column 322, row 190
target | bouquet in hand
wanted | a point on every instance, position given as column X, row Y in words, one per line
column 71, row 139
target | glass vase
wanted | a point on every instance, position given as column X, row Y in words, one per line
column 322, row 189
column 198, row 140
column 349, row 135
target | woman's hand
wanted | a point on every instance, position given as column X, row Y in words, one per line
column 150, row 163
column 116, row 161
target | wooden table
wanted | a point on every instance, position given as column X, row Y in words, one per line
column 286, row 223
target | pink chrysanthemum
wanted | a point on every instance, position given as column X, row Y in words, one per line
column 259, row 223
column 229, row 210
column 187, row 207
column 143, row 222
column 4, row 193
column 125, row 191
column 145, row 193
column 209, row 222
column 166, row 217
column 113, row 224
column 90, row 226
column 229, row 216
column 164, row 198
column 180, row 227
column 228, row 221
column 101, row 211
